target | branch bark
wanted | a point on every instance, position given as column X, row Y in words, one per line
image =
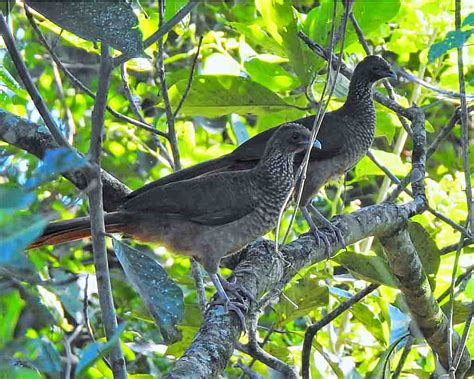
column 96, row 211
column 36, row 139
column 426, row 313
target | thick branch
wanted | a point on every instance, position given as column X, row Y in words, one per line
column 261, row 270
column 36, row 139
column 426, row 313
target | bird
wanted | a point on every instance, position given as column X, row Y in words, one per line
column 205, row 217
column 345, row 134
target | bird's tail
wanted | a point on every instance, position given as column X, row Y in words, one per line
column 76, row 229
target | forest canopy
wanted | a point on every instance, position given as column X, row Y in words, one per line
column 100, row 98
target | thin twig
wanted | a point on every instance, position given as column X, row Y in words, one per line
column 190, row 79
column 313, row 329
column 462, row 343
column 78, row 84
column 464, row 126
column 403, row 358
column 164, row 28
column 134, row 107
column 461, row 278
column 171, row 135
column 395, row 180
column 448, row 249
column 421, row 82
column 29, row 85
column 104, row 287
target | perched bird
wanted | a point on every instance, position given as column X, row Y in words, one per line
column 206, row 217
column 346, row 135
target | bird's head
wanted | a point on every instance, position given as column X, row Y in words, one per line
column 292, row 138
column 374, row 68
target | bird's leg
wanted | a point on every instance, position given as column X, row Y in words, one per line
column 318, row 235
column 228, row 305
column 328, row 224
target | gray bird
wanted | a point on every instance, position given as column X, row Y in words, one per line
column 206, row 217
column 346, row 135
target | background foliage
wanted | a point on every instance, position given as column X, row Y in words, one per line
column 251, row 73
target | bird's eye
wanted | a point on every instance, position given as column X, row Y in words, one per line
column 295, row 136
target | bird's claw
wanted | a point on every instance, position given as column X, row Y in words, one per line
column 320, row 236
column 235, row 306
column 241, row 293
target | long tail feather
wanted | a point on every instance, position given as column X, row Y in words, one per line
column 75, row 229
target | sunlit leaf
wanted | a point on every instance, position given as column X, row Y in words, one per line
column 468, row 20
column 382, row 370
column 454, row 39
column 393, row 162
column 159, row 292
column 280, row 22
column 218, row 95
column 270, row 75
column 371, row 268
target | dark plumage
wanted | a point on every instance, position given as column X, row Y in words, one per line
column 206, row 217
column 346, row 135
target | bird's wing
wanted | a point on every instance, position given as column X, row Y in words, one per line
column 214, row 199
column 329, row 135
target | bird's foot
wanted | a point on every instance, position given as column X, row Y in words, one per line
column 240, row 292
column 334, row 231
column 239, row 307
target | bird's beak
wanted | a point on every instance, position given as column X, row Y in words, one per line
column 317, row 144
column 392, row 74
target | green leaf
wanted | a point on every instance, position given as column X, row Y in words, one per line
column 454, row 39
column 218, row 95
column 387, row 124
column 47, row 357
column 15, row 236
column 280, row 22
column 11, row 305
column 393, row 162
column 7, row 80
column 426, row 247
column 97, row 350
column 14, row 198
column 306, row 294
column 54, row 162
column 159, row 292
column 382, row 370
column 270, row 75
column 371, row 268
column 114, row 23
column 468, row 20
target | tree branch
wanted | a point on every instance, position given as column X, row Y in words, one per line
column 96, row 211
column 424, row 308
column 36, row 139
column 29, row 85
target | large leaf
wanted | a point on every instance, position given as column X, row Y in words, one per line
column 371, row 268
column 54, row 162
column 158, row 291
column 96, row 350
column 218, row 95
column 270, row 74
column 302, row 297
column 280, row 22
column 393, row 162
column 382, row 369
column 114, row 23
column 426, row 247
column 454, row 39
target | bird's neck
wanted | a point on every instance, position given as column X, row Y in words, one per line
column 276, row 164
column 360, row 95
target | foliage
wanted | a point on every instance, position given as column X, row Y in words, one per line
column 251, row 75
